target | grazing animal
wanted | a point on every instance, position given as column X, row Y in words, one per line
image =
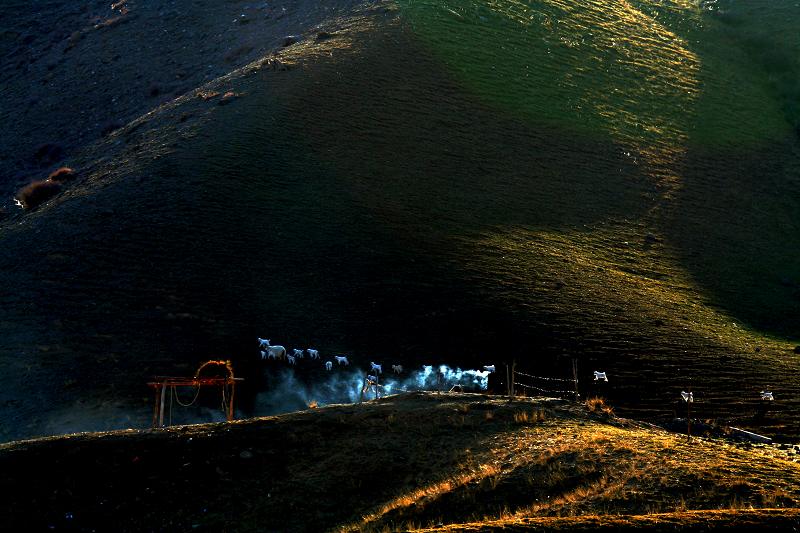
column 397, row 369
column 489, row 368
column 373, row 379
column 767, row 395
column 341, row 360
column 263, row 343
column 376, row 368
column 291, row 359
column 688, row 397
column 273, row 352
column 297, row 353
column 313, row 354
column 600, row 375
column 328, row 365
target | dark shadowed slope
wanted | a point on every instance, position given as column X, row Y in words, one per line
column 430, row 183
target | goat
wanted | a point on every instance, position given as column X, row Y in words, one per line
column 376, row 368
column 688, row 397
column 328, row 365
column 262, row 343
column 297, row 353
column 291, row 359
column 273, row 352
column 397, row 369
column 313, row 354
column 489, row 368
column 341, row 360
column 767, row 395
column 600, row 375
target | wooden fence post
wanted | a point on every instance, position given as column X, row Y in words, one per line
column 575, row 377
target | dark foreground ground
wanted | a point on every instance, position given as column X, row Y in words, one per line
column 413, row 182
column 403, row 462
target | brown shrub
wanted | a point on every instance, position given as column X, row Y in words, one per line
column 37, row 192
column 227, row 98
column 61, row 175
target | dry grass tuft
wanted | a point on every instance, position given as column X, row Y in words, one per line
column 599, row 406
column 529, row 417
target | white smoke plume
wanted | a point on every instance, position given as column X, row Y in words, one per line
column 286, row 393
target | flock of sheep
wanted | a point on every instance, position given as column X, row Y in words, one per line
column 276, row 352
column 269, row 351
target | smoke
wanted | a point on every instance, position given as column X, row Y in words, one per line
column 286, row 393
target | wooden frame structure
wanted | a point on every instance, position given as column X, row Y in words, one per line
column 164, row 385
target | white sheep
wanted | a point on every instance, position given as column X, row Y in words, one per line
column 328, row 365
column 262, row 343
column 767, row 395
column 488, row 368
column 313, row 354
column 600, row 375
column 273, row 352
column 397, row 369
column 376, row 368
column 341, row 360
column 297, row 354
column 291, row 359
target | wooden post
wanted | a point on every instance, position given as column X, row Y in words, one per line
column 155, row 408
column 688, row 416
column 575, row 377
column 513, row 377
column 230, row 401
column 508, row 381
column 161, row 410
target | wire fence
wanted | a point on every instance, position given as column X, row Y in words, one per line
column 543, row 378
column 545, row 385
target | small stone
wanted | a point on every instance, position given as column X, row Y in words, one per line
column 246, row 454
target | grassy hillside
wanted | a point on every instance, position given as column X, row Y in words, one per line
column 400, row 463
column 435, row 182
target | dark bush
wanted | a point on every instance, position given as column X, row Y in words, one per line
column 49, row 153
column 110, row 127
column 37, row 192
